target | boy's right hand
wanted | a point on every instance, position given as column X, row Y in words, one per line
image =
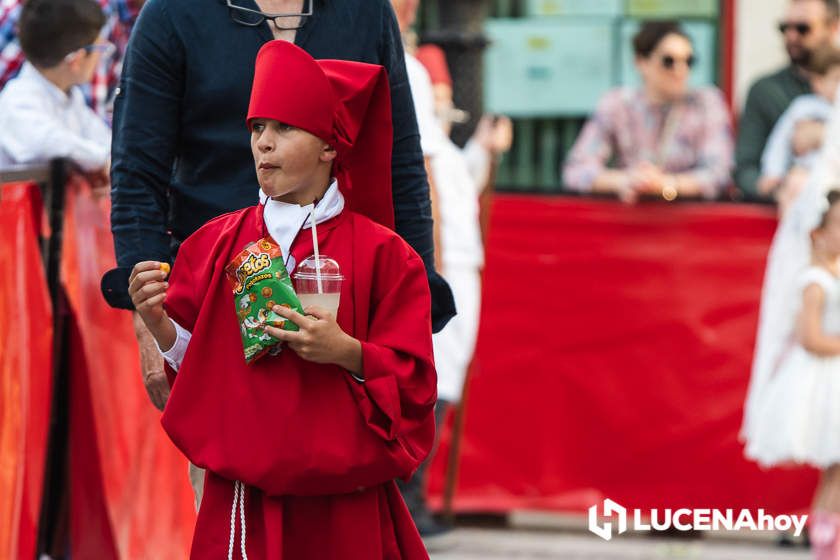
column 147, row 288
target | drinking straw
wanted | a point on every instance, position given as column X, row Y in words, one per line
column 315, row 246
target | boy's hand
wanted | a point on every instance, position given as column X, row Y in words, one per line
column 147, row 288
column 319, row 339
column 494, row 134
column 100, row 182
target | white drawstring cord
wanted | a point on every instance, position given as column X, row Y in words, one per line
column 242, row 519
column 233, row 519
column 238, row 500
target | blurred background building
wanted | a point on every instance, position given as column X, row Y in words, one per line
column 546, row 63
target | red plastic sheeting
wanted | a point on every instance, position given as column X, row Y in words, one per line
column 613, row 360
column 25, row 369
column 130, row 492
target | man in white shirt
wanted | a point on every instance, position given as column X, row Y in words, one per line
column 43, row 115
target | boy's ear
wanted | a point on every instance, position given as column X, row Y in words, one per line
column 74, row 59
column 328, row 153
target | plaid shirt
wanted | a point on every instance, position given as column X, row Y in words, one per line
column 120, row 16
column 693, row 136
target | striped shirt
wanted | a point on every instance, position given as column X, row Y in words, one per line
column 767, row 99
column 120, row 16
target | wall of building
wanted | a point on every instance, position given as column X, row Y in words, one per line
column 758, row 44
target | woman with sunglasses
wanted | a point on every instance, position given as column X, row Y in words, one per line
column 665, row 138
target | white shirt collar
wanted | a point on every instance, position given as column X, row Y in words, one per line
column 29, row 73
column 284, row 221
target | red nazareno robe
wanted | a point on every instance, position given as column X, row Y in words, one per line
column 318, row 452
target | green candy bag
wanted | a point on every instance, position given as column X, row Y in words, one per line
column 260, row 281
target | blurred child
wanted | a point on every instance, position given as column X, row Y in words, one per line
column 797, row 421
column 433, row 59
column 787, row 160
column 457, row 178
column 43, row 114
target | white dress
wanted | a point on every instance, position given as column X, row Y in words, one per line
column 798, row 419
column 789, row 256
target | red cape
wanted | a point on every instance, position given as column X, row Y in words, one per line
column 317, row 450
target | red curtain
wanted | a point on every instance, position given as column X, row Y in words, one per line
column 25, row 369
column 613, row 360
column 130, row 492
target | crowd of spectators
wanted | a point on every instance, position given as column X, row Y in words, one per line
column 668, row 139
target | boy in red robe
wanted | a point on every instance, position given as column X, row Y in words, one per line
column 302, row 448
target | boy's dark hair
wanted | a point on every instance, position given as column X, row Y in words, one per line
column 651, row 34
column 49, row 30
column 833, row 198
column 823, row 60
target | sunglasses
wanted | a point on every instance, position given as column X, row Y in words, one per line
column 106, row 49
column 669, row 62
column 253, row 18
column 801, row 28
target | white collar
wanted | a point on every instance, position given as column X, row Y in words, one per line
column 284, row 221
column 29, row 73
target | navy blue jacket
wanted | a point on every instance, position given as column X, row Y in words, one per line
column 181, row 152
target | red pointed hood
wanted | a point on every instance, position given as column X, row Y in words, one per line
column 346, row 104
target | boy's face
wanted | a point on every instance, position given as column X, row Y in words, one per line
column 826, row 86
column 82, row 64
column 292, row 164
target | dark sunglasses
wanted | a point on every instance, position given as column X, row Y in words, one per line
column 668, row 61
column 800, row 28
column 106, row 49
column 253, row 18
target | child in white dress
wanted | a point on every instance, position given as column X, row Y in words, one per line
column 797, row 420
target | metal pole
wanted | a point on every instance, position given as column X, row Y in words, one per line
column 52, row 523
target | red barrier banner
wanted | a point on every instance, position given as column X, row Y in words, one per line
column 130, row 492
column 25, row 369
column 613, row 360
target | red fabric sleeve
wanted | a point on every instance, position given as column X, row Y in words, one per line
column 292, row 427
column 182, row 304
column 396, row 401
column 400, row 387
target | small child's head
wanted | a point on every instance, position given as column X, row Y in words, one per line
column 825, row 238
column 61, row 36
column 824, row 70
column 311, row 120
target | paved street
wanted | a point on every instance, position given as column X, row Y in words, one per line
column 518, row 544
